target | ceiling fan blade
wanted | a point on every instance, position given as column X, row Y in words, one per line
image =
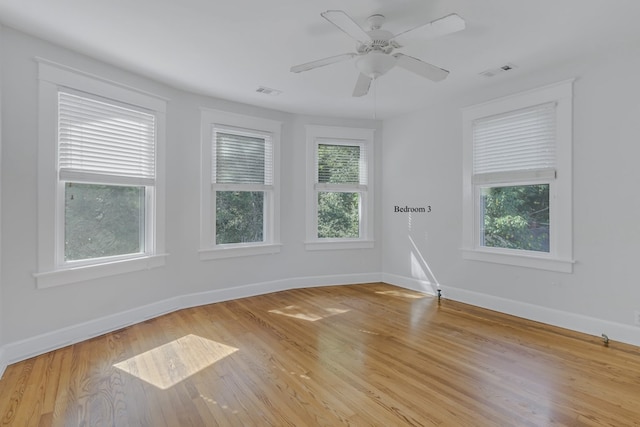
column 421, row 68
column 362, row 85
column 322, row 62
column 446, row 25
column 346, row 24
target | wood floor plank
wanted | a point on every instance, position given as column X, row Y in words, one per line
column 358, row 355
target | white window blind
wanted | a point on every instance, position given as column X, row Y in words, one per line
column 98, row 139
column 341, row 164
column 521, row 140
column 242, row 158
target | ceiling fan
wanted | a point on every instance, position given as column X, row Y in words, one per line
column 374, row 48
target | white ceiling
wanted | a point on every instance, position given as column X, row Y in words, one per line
column 227, row 49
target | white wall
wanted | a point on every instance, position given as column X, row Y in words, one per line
column 44, row 318
column 422, row 163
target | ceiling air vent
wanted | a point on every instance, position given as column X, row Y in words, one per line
column 268, row 91
column 495, row 71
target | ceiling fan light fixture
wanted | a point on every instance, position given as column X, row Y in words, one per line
column 375, row 64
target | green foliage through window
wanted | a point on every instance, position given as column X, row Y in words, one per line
column 339, row 211
column 239, row 216
column 338, row 215
column 516, row 217
column 103, row 220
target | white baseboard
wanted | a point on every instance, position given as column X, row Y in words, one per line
column 210, row 297
column 33, row 346
column 24, row 349
column 39, row 344
column 3, row 362
column 576, row 322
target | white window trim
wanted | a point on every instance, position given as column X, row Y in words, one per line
column 560, row 257
column 317, row 134
column 208, row 249
column 51, row 272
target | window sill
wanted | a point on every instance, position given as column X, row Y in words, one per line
column 334, row 244
column 49, row 279
column 520, row 259
column 238, row 251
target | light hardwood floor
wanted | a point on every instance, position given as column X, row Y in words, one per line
column 360, row 355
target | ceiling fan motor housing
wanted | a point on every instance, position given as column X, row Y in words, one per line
column 380, row 41
column 375, row 59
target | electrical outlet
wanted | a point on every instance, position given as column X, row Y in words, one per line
column 636, row 317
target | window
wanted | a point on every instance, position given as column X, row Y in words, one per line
column 106, row 171
column 100, row 189
column 239, row 189
column 340, row 201
column 517, row 173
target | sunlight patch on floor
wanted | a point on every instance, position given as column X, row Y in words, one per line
column 309, row 314
column 402, row 294
column 173, row 362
